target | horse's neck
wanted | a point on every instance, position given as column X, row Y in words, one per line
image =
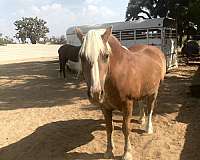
column 116, row 48
column 117, row 56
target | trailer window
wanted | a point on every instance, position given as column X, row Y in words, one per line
column 124, row 35
column 141, row 34
column 174, row 35
column 127, row 35
column 170, row 33
column 116, row 34
column 167, row 33
column 154, row 33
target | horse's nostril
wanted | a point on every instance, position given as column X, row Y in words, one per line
column 89, row 94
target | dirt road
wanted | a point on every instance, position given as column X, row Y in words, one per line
column 43, row 117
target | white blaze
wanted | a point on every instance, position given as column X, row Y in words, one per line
column 95, row 76
column 92, row 46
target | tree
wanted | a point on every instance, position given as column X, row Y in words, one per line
column 186, row 13
column 32, row 28
column 5, row 40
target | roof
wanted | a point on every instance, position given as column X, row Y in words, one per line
column 147, row 23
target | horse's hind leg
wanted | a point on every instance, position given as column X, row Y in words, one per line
column 60, row 71
column 142, row 112
column 63, row 67
column 109, row 129
column 150, row 106
column 126, row 128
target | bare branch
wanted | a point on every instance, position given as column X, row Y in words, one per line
column 149, row 16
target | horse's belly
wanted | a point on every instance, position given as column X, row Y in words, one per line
column 150, row 88
column 76, row 66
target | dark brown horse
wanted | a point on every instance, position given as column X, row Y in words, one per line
column 118, row 77
column 67, row 52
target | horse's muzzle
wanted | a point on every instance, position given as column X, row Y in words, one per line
column 96, row 97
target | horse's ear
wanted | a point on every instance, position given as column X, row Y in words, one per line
column 79, row 34
column 107, row 34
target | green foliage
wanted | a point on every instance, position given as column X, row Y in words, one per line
column 186, row 13
column 32, row 28
column 5, row 40
column 190, row 48
column 58, row 40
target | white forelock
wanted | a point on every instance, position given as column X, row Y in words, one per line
column 93, row 44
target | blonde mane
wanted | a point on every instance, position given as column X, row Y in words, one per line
column 93, row 45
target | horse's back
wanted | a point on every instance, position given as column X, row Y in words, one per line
column 140, row 71
column 70, row 52
column 65, row 48
column 150, row 55
column 137, row 47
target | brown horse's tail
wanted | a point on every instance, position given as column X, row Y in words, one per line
column 164, row 67
column 163, row 72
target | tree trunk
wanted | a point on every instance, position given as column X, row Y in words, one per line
column 33, row 40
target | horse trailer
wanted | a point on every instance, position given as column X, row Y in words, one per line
column 160, row 32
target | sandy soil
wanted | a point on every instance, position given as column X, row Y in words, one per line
column 13, row 53
column 43, row 117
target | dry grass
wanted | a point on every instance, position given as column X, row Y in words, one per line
column 13, row 53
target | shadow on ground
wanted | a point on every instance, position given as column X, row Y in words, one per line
column 172, row 93
column 190, row 114
column 55, row 141
column 36, row 84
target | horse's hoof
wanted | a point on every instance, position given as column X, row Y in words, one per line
column 141, row 121
column 108, row 155
column 149, row 130
column 127, row 156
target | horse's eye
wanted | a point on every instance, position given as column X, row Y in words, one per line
column 105, row 58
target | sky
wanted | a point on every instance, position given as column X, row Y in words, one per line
column 60, row 14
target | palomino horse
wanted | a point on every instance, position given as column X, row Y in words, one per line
column 117, row 78
column 67, row 53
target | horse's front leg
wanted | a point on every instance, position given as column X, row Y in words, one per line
column 109, row 129
column 150, row 106
column 142, row 112
column 126, row 128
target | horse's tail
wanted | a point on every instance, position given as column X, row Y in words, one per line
column 163, row 65
column 164, row 69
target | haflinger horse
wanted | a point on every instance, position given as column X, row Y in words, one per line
column 118, row 77
column 66, row 54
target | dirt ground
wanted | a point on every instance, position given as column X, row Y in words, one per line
column 13, row 53
column 43, row 117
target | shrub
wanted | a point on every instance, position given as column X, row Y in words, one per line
column 190, row 48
